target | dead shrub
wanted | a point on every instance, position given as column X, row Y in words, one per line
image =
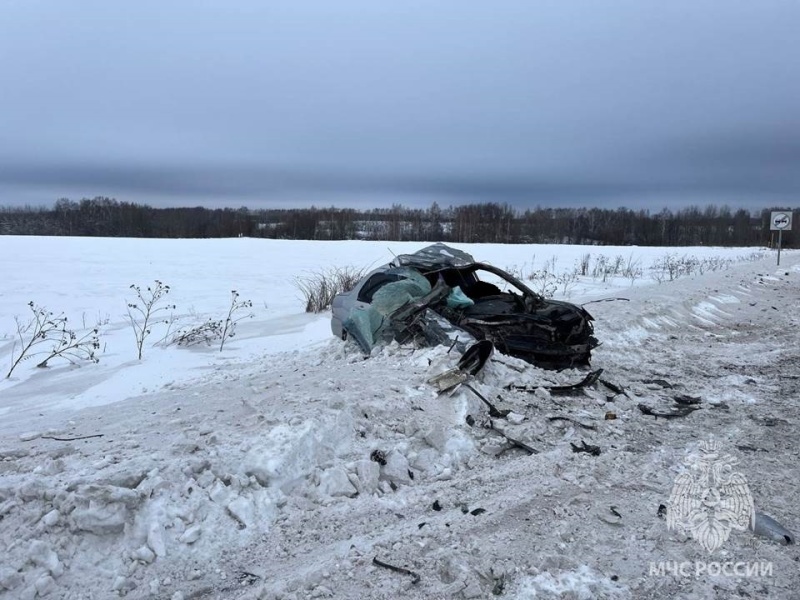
column 319, row 288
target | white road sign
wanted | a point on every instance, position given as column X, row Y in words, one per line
column 780, row 220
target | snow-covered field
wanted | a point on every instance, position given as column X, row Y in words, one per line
column 246, row 473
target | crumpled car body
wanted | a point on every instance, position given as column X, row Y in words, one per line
column 441, row 295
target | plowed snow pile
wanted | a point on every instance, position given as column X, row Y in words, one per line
column 286, row 475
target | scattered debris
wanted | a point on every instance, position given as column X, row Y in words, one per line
column 248, row 578
column 72, row 439
column 614, row 519
column 512, row 441
column 556, row 390
column 475, row 357
column 499, row 585
column 415, row 577
column 584, row 447
column 455, row 341
column 685, row 400
column 470, row 364
column 767, row 527
column 379, row 457
column 575, row 421
column 680, row 411
column 617, row 389
column 606, row 300
column 493, row 411
column 590, row 379
column 448, row 380
column 746, row 448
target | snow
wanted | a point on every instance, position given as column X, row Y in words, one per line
column 252, row 472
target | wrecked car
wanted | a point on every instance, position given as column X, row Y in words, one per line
column 442, row 295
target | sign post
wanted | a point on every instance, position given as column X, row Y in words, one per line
column 780, row 221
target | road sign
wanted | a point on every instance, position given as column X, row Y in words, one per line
column 780, row 220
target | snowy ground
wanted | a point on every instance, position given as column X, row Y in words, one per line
column 247, row 473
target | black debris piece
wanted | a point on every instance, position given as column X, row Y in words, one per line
column 455, row 341
column 606, row 300
column 493, row 411
column 587, row 448
column 469, row 365
column 679, row 411
column 475, row 357
column 587, row 381
column 745, row 448
column 499, row 586
column 563, row 390
column 686, row 400
column 378, row 456
column 404, row 571
column 514, row 442
column 247, row 578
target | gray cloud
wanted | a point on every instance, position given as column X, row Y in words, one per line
column 285, row 103
column 262, row 187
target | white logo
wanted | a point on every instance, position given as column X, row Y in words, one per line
column 710, row 499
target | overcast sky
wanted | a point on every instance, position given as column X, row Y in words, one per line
column 285, row 103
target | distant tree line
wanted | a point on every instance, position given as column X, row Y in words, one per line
column 487, row 222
